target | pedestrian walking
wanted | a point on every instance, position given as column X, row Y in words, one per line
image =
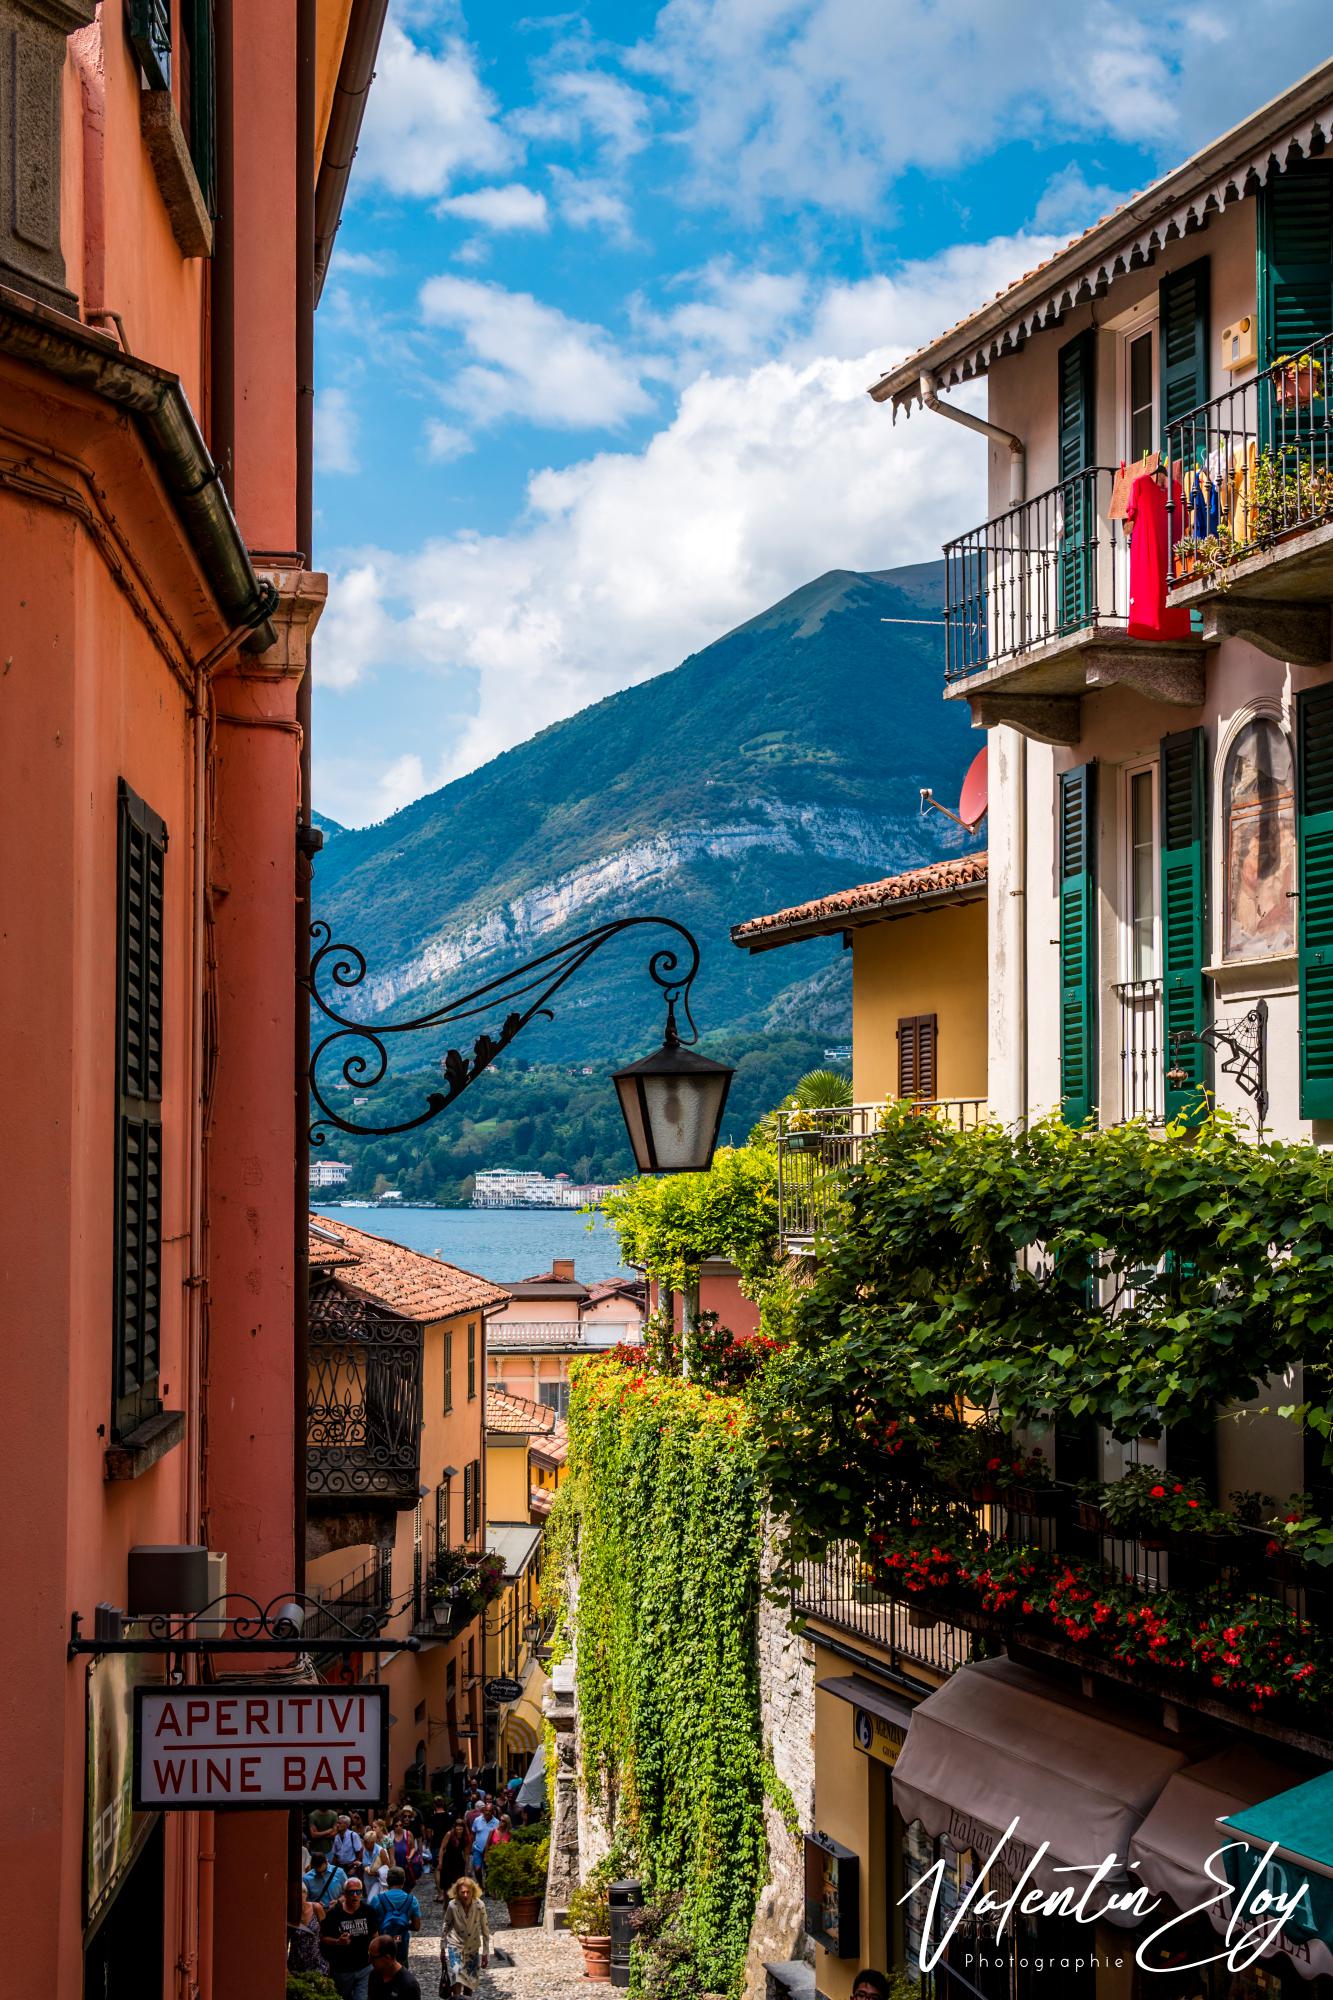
column 454, row 1859
column 483, row 1827
column 397, row 1912
column 346, row 1847
column 304, row 1952
column 345, row 1934
column 323, row 1881
column 465, row 1939
column 389, row 1977
column 319, row 1831
column 376, row 1856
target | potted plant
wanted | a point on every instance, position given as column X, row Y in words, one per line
column 589, row 1918
column 1183, row 551
column 1026, row 1484
column 1153, row 1508
column 1298, row 379
column 1298, row 1535
column 516, row 1876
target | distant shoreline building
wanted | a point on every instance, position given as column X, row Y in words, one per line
column 329, row 1173
column 507, row 1187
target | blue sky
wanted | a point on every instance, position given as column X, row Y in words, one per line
column 608, row 291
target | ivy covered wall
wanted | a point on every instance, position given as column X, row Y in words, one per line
column 661, row 1515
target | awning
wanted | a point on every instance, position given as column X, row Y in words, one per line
column 998, row 1742
column 521, row 1729
column 863, row 1693
column 1299, row 1823
column 532, row 1792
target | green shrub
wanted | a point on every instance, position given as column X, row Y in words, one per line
column 310, row 1986
column 516, row 1868
column 589, row 1911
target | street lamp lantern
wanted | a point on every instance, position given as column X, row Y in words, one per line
column 672, row 1104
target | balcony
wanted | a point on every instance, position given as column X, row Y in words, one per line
column 1138, row 1006
column 816, row 1147
column 1036, row 605
column 363, row 1420
column 1252, row 548
column 840, row 1592
column 1132, row 1606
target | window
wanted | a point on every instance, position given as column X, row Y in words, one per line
column 448, row 1373
column 1142, row 868
column 916, row 1056
column 471, row 1498
column 471, row 1359
column 555, row 1396
column 197, row 113
column 140, row 870
column 1259, row 843
column 1140, row 413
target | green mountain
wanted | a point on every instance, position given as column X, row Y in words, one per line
column 782, row 762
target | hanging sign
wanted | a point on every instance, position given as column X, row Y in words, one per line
column 502, row 1689
column 877, row 1736
column 115, row 1830
column 258, row 1744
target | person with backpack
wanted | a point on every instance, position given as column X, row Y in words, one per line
column 398, row 1912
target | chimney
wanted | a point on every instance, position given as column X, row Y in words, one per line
column 562, row 1270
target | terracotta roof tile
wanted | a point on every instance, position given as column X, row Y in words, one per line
column 518, row 1416
column 554, row 1448
column 407, row 1281
column 939, row 881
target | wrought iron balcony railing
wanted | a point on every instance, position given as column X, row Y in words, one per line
column 840, row 1591
column 816, row 1147
column 368, row 1587
column 1252, row 466
column 1142, row 1043
column 363, row 1405
column 1050, row 567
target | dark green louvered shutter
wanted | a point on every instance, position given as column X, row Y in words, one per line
column 1182, row 333
column 1295, row 232
column 149, row 26
column 1077, row 420
column 198, row 94
column 1078, row 947
column 1314, row 814
column 136, row 1317
column 1184, row 999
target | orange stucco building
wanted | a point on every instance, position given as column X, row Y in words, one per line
column 167, row 202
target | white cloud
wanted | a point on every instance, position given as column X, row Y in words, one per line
column 511, row 207
column 357, row 631
column 358, row 264
column 335, row 432
column 626, row 562
column 735, row 315
column 428, row 118
column 589, row 105
column 585, row 202
column 446, row 441
column 531, row 360
column 808, row 101
column 1070, row 202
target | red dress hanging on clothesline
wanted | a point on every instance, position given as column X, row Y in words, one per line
column 1149, row 617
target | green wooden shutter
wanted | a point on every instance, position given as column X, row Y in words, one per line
column 1182, row 336
column 1295, row 240
column 1078, row 947
column 198, row 94
column 1075, row 454
column 136, row 1319
column 1314, row 818
column 1184, row 927
column 149, row 25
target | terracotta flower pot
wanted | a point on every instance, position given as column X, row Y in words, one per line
column 596, row 1957
column 523, row 1912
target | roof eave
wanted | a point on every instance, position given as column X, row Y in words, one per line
column 886, row 912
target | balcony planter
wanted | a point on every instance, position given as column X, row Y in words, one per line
column 804, row 1142
column 1296, row 382
column 921, row 1618
column 1090, row 1517
column 985, row 1492
column 1037, row 1501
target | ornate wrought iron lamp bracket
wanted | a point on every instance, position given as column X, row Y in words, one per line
column 248, row 1627
column 362, row 1060
column 1246, row 1043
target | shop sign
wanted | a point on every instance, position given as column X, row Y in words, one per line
column 832, row 1896
column 258, row 1744
column 502, row 1689
column 877, row 1736
column 114, row 1831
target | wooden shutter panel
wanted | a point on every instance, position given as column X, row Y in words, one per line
column 1076, row 437
column 149, row 24
column 1078, row 947
column 198, row 94
column 1314, row 931
column 136, row 1324
column 1183, row 788
column 917, row 1064
column 1182, row 335
column 1295, row 236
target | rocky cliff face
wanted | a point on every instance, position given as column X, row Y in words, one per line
column 780, row 763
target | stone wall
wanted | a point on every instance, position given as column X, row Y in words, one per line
column 787, row 1698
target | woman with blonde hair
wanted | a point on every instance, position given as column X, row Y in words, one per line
column 465, row 1938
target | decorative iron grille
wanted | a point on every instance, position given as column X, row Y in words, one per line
column 363, row 1402
column 816, row 1147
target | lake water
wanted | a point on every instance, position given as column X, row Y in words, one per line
column 503, row 1244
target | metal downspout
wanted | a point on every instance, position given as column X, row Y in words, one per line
column 930, row 397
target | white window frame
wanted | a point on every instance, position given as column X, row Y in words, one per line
column 1128, row 772
column 1146, row 322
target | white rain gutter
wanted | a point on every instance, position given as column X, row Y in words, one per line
column 930, row 397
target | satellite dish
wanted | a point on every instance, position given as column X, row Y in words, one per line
column 972, row 801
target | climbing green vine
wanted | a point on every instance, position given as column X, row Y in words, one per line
column 662, row 1500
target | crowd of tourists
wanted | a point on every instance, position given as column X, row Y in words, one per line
column 364, row 1881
